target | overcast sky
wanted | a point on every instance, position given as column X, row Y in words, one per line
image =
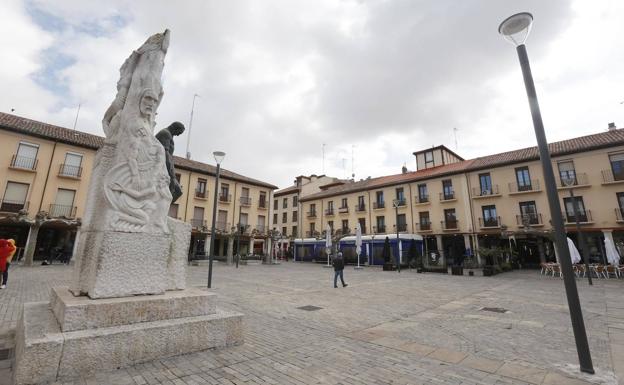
column 278, row 78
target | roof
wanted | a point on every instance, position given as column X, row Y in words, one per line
column 288, row 190
column 47, row 131
column 592, row 142
column 443, row 147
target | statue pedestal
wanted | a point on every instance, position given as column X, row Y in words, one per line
column 76, row 336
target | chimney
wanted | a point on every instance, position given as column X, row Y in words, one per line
column 612, row 126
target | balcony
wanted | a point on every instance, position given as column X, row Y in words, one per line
column 609, row 177
column 343, row 209
column 245, row 201
column 198, row 224
column 447, row 196
column 222, row 226
column 423, row 226
column 580, row 180
column 329, row 212
column 379, row 205
column 422, row 199
column 529, row 220
column 312, row 214
column 516, row 188
column 200, row 194
column 379, row 229
column 225, row 198
column 584, row 216
column 23, row 163
column 261, row 229
column 489, row 223
column 450, row 224
column 312, row 234
column 478, row 192
column 8, row 206
column 262, row 204
column 62, row 211
column 360, row 208
column 399, row 202
column 401, row 226
column 68, row 171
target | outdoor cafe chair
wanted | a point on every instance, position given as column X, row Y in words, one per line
column 556, row 269
column 600, row 270
column 610, row 269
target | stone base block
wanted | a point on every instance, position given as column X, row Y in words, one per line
column 45, row 353
column 79, row 313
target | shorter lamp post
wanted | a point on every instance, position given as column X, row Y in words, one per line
column 218, row 155
column 569, row 182
column 396, row 203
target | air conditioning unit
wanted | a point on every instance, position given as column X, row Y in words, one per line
column 485, row 192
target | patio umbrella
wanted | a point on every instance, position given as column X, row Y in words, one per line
column 574, row 254
column 328, row 242
column 612, row 255
column 358, row 242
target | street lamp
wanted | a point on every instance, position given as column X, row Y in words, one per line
column 515, row 29
column 396, row 203
column 569, row 182
column 218, row 155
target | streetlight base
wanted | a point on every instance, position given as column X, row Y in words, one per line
column 588, row 370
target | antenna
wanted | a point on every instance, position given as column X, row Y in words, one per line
column 455, row 132
column 352, row 162
column 76, row 120
column 324, row 158
column 344, row 171
column 188, row 138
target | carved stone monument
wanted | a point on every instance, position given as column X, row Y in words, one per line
column 128, row 301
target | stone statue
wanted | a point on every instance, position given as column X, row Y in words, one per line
column 165, row 137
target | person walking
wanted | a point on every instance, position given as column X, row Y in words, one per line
column 338, row 270
column 7, row 250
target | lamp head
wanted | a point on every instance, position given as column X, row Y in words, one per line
column 219, row 155
column 515, row 29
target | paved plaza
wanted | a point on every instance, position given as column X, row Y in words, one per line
column 384, row 328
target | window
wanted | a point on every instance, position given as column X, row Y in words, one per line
column 262, row 199
column 295, row 201
column 14, row 197
column 198, row 217
column 294, row 231
column 450, row 219
column 245, row 192
column 245, row 199
column 284, row 217
column 485, row 183
column 295, row 216
column 447, row 189
column 26, row 156
column 343, row 203
column 345, row 226
column 222, row 224
column 312, row 230
column 64, row 204
column 569, row 207
column 401, row 222
column 424, row 221
column 617, row 166
column 261, row 226
column 361, row 205
column 528, row 213
column 620, row 198
column 285, row 203
column 362, row 222
column 225, row 192
column 275, row 204
column 243, row 219
column 275, row 218
column 567, row 173
column 331, row 225
column 330, row 208
column 313, row 209
column 523, row 178
column 428, row 158
column 489, row 216
column 381, row 224
column 200, row 190
column 400, row 196
column 423, row 195
column 72, row 166
column 379, row 200
column 173, row 210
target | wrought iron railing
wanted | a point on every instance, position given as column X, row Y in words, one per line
column 360, row 207
column 62, row 211
column 9, row 206
column 343, row 209
column 423, row 226
column 245, row 201
column 530, row 219
column 515, row 187
column 446, row 196
column 200, row 194
column 24, row 162
column 379, row 205
column 608, row 176
column 422, row 198
column 489, row 222
column 583, row 216
column 485, row 191
column 450, row 224
column 577, row 179
column 70, row 171
column 329, row 211
column 198, row 223
column 226, row 198
column 379, row 229
column 312, row 214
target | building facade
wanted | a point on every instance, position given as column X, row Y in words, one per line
column 44, row 181
column 460, row 206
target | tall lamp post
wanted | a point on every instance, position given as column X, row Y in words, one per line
column 218, row 155
column 515, row 29
column 396, row 203
column 569, row 182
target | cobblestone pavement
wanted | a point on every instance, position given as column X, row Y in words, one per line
column 384, row 328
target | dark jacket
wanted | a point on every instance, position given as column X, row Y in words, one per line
column 338, row 263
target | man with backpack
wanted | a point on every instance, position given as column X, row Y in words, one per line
column 338, row 269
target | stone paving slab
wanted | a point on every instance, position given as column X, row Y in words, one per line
column 383, row 328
